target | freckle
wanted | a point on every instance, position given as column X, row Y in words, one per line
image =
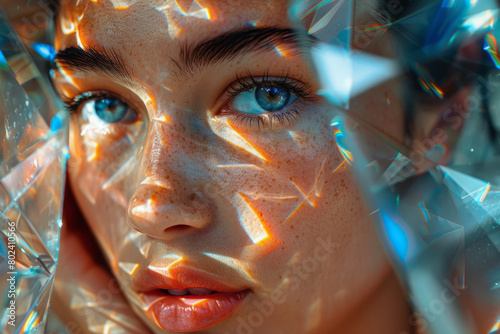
column 292, row 227
column 171, row 201
column 297, row 236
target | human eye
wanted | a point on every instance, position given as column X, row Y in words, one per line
column 105, row 122
column 266, row 101
column 102, row 108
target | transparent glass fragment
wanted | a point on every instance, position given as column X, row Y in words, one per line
column 33, row 153
column 434, row 185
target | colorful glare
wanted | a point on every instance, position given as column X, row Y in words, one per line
column 31, row 322
column 375, row 26
column 438, row 91
column 491, row 47
column 478, row 21
column 495, row 328
column 340, row 138
column 46, row 51
column 484, row 193
column 284, row 51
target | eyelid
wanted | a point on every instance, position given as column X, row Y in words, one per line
column 297, row 87
column 74, row 104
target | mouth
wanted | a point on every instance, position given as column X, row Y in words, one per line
column 187, row 299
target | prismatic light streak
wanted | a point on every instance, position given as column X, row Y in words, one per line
column 32, row 320
column 490, row 46
column 165, row 264
column 313, row 191
column 129, row 268
column 232, row 263
column 139, row 241
column 161, row 119
column 157, row 183
column 326, row 18
column 249, row 219
column 495, row 327
column 224, row 129
column 284, row 51
column 68, row 79
column 195, row 10
column 239, row 166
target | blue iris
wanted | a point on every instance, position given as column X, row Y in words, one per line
column 272, row 98
column 110, row 110
column 262, row 99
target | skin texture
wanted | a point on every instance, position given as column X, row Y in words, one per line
column 196, row 180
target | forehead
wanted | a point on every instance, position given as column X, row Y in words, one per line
column 155, row 25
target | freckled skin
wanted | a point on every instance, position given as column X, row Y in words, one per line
column 174, row 176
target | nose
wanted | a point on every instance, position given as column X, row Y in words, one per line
column 170, row 202
column 163, row 213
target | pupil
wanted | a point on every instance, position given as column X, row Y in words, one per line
column 110, row 110
column 272, row 98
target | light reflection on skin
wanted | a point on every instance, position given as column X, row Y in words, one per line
column 276, row 190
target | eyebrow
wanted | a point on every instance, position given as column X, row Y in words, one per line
column 101, row 61
column 229, row 45
column 224, row 47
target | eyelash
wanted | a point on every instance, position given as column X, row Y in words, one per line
column 72, row 104
column 249, row 82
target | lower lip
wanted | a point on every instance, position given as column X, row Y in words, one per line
column 191, row 313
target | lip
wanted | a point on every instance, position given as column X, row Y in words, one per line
column 187, row 312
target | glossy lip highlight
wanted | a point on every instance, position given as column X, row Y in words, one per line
column 187, row 312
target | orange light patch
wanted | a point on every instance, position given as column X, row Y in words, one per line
column 96, row 154
column 161, row 119
column 284, row 51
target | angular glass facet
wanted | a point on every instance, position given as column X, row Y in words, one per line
column 32, row 169
column 435, row 185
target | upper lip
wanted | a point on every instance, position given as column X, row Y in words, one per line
column 181, row 276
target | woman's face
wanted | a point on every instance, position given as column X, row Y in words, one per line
column 207, row 168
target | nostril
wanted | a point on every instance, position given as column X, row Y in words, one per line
column 177, row 228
